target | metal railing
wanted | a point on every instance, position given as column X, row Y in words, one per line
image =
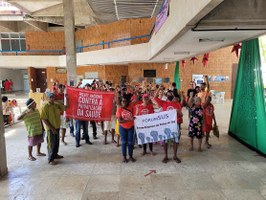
column 80, row 48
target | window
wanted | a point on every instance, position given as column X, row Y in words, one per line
column 13, row 41
column 150, row 73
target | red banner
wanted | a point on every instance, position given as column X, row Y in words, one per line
column 89, row 105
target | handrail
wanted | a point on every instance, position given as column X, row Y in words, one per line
column 79, row 48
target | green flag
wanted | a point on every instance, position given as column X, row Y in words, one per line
column 176, row 77
column 248, row 116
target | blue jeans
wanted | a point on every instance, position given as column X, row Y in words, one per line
column 84, row 125
column 71, row 126
column 127, row 140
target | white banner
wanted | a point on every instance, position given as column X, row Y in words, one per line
column 156, row 127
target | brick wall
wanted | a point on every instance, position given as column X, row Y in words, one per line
column 114, row 73
column 117, row 30
column 45, row 41
column 81, row 70
column 53, row 76
column 136, row 70
column 219, row 64
column 92, row 35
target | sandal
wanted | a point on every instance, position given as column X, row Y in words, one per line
column 132, row 159
column 125, row 160
column 31, row 158
column 143, row 153
column 53, row 163
column 113, row 141
column 177, row 160
column 165, row 160
column 209, row 146
column 41, row 154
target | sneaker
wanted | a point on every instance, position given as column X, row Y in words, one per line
column 89, row 143
column 177, row 160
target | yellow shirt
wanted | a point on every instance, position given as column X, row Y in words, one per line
column 51, row 112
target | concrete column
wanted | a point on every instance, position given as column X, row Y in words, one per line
column 3, row 163
column 69, row 25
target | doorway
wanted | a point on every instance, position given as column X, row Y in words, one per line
column 41, row 78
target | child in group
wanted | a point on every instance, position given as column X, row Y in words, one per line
column 196, row 121
column 208, row 112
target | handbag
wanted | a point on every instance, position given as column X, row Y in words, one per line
column 216, row 131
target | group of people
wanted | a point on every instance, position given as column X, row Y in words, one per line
column 130, row 101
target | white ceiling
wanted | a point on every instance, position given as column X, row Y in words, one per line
column 220, row 15
column 189, row 44
column 36, row 5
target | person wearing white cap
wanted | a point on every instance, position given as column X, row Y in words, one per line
column 32, row 120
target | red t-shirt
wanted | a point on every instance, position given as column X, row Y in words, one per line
column 59, row 97
column 126, row 114
column 170, row 105
column 7, row 85
column 208, row 114
column 144, row 110
column 135, row 107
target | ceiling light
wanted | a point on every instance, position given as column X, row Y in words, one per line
column 211, row 40
column 181, row 53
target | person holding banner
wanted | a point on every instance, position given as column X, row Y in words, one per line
column 125, row 118
column 59, row 98
column 143, row 109
column 50, row 115
column 110, row 125
column 170, row 104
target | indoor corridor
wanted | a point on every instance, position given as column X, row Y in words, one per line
column 228, row 170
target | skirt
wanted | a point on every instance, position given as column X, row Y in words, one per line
column 34, row 140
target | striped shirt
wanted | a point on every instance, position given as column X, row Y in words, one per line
column 33, row 124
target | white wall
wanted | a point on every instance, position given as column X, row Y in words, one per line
column 16, row 75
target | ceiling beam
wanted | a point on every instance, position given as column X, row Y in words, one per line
column 41, row 26
column 55, row 10
column 11, row 18
column 52, row 20
column 8, row 26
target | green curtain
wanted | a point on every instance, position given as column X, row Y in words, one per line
column 248, row 116
column 177, row 77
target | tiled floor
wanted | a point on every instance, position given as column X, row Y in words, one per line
column 228, row 170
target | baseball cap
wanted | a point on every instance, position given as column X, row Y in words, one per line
column 50, row 94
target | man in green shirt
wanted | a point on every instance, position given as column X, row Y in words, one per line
column 50, row 115
column 33, row 123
